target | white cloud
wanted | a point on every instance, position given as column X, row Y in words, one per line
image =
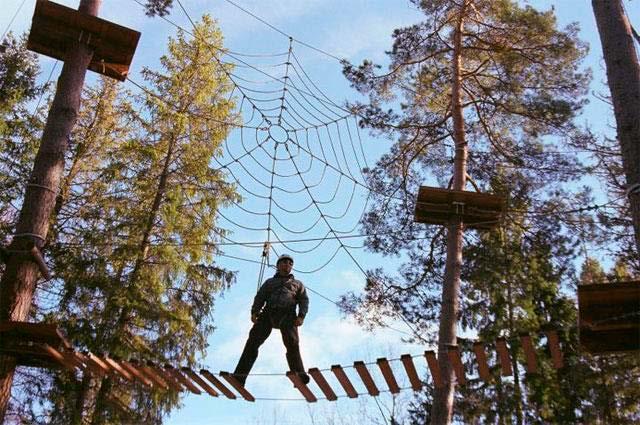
column 366, row 36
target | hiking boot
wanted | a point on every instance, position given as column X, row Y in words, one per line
column 240, row 378
column 304, row 378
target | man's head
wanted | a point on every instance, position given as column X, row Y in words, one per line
column 284, row 264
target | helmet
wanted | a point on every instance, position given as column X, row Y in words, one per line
column 284, row 257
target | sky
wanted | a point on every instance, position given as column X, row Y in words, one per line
column 354, row 30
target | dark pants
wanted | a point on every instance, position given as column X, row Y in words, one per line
column 259, row 334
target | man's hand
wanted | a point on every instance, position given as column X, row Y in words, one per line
column 299, row 321
column 254, row 318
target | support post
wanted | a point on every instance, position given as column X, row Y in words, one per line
column 20, row 276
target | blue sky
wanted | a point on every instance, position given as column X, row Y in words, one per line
column 355, row 30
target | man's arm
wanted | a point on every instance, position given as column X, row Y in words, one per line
column 303, row 301
column 259, row 300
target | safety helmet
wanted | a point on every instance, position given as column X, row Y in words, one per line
column 284, row 257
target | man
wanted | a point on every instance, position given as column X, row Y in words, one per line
column 274, row 306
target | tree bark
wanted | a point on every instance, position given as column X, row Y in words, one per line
column 442, row 409
column 517, row 391
column 20, row 277
column 623, row 76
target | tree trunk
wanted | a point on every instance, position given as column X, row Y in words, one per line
column 89, row 386
column 442, row 410
column 97, row 415
column 499, row 411
column 19, row 279
column 86, row 401
column 623, row 76
column 517, row 390
column 124, row 316
column 144, row 244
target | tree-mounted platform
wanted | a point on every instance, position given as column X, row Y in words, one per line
column 28, row 343
column 55, row 29
column 609, row 317
column 476, row 210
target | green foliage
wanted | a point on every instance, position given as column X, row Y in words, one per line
column 134, row 234
column 18, row 72
column 20, row 125
column 158, row 7
column 521, row 88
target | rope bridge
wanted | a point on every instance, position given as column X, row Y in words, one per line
column 43, row 345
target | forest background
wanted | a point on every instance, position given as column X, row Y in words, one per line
column 368, row 39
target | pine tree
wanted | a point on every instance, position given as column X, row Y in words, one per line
column 20, row 276
column 623, row 77
column 19, row 125
column 135, row 231
column 490, row 79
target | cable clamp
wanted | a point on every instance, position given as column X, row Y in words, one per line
column 632, row 189
column 459, row 207
column 265, row 249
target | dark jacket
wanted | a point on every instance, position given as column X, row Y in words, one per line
column 281, row 294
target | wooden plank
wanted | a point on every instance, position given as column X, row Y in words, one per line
column 456, row 362
column 181, row 379
column 198, row 380
column 92, row 366
column 140, row 376
column 434, row 368
column 46, row 333
column 58, row 357
column 237, row 385
column 554, row 348
column 529, row 353
column 481, row 359
column 503, row 355
column 167, row 377
column 362, row 370
column 92, row 358
column 71, row 357
column 410, row 368
column 119, row 369
column 151, row 373
column 323, row 384
column 304, row 390
column 217, row 383
column 81, row 360
column 387, row 373
column 344, row 381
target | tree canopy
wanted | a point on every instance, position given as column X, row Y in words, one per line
column 134, row 234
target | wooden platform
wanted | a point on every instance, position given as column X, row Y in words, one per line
column 56, row 28
column 609, row 317
column 476, row 210
column 25, row 341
